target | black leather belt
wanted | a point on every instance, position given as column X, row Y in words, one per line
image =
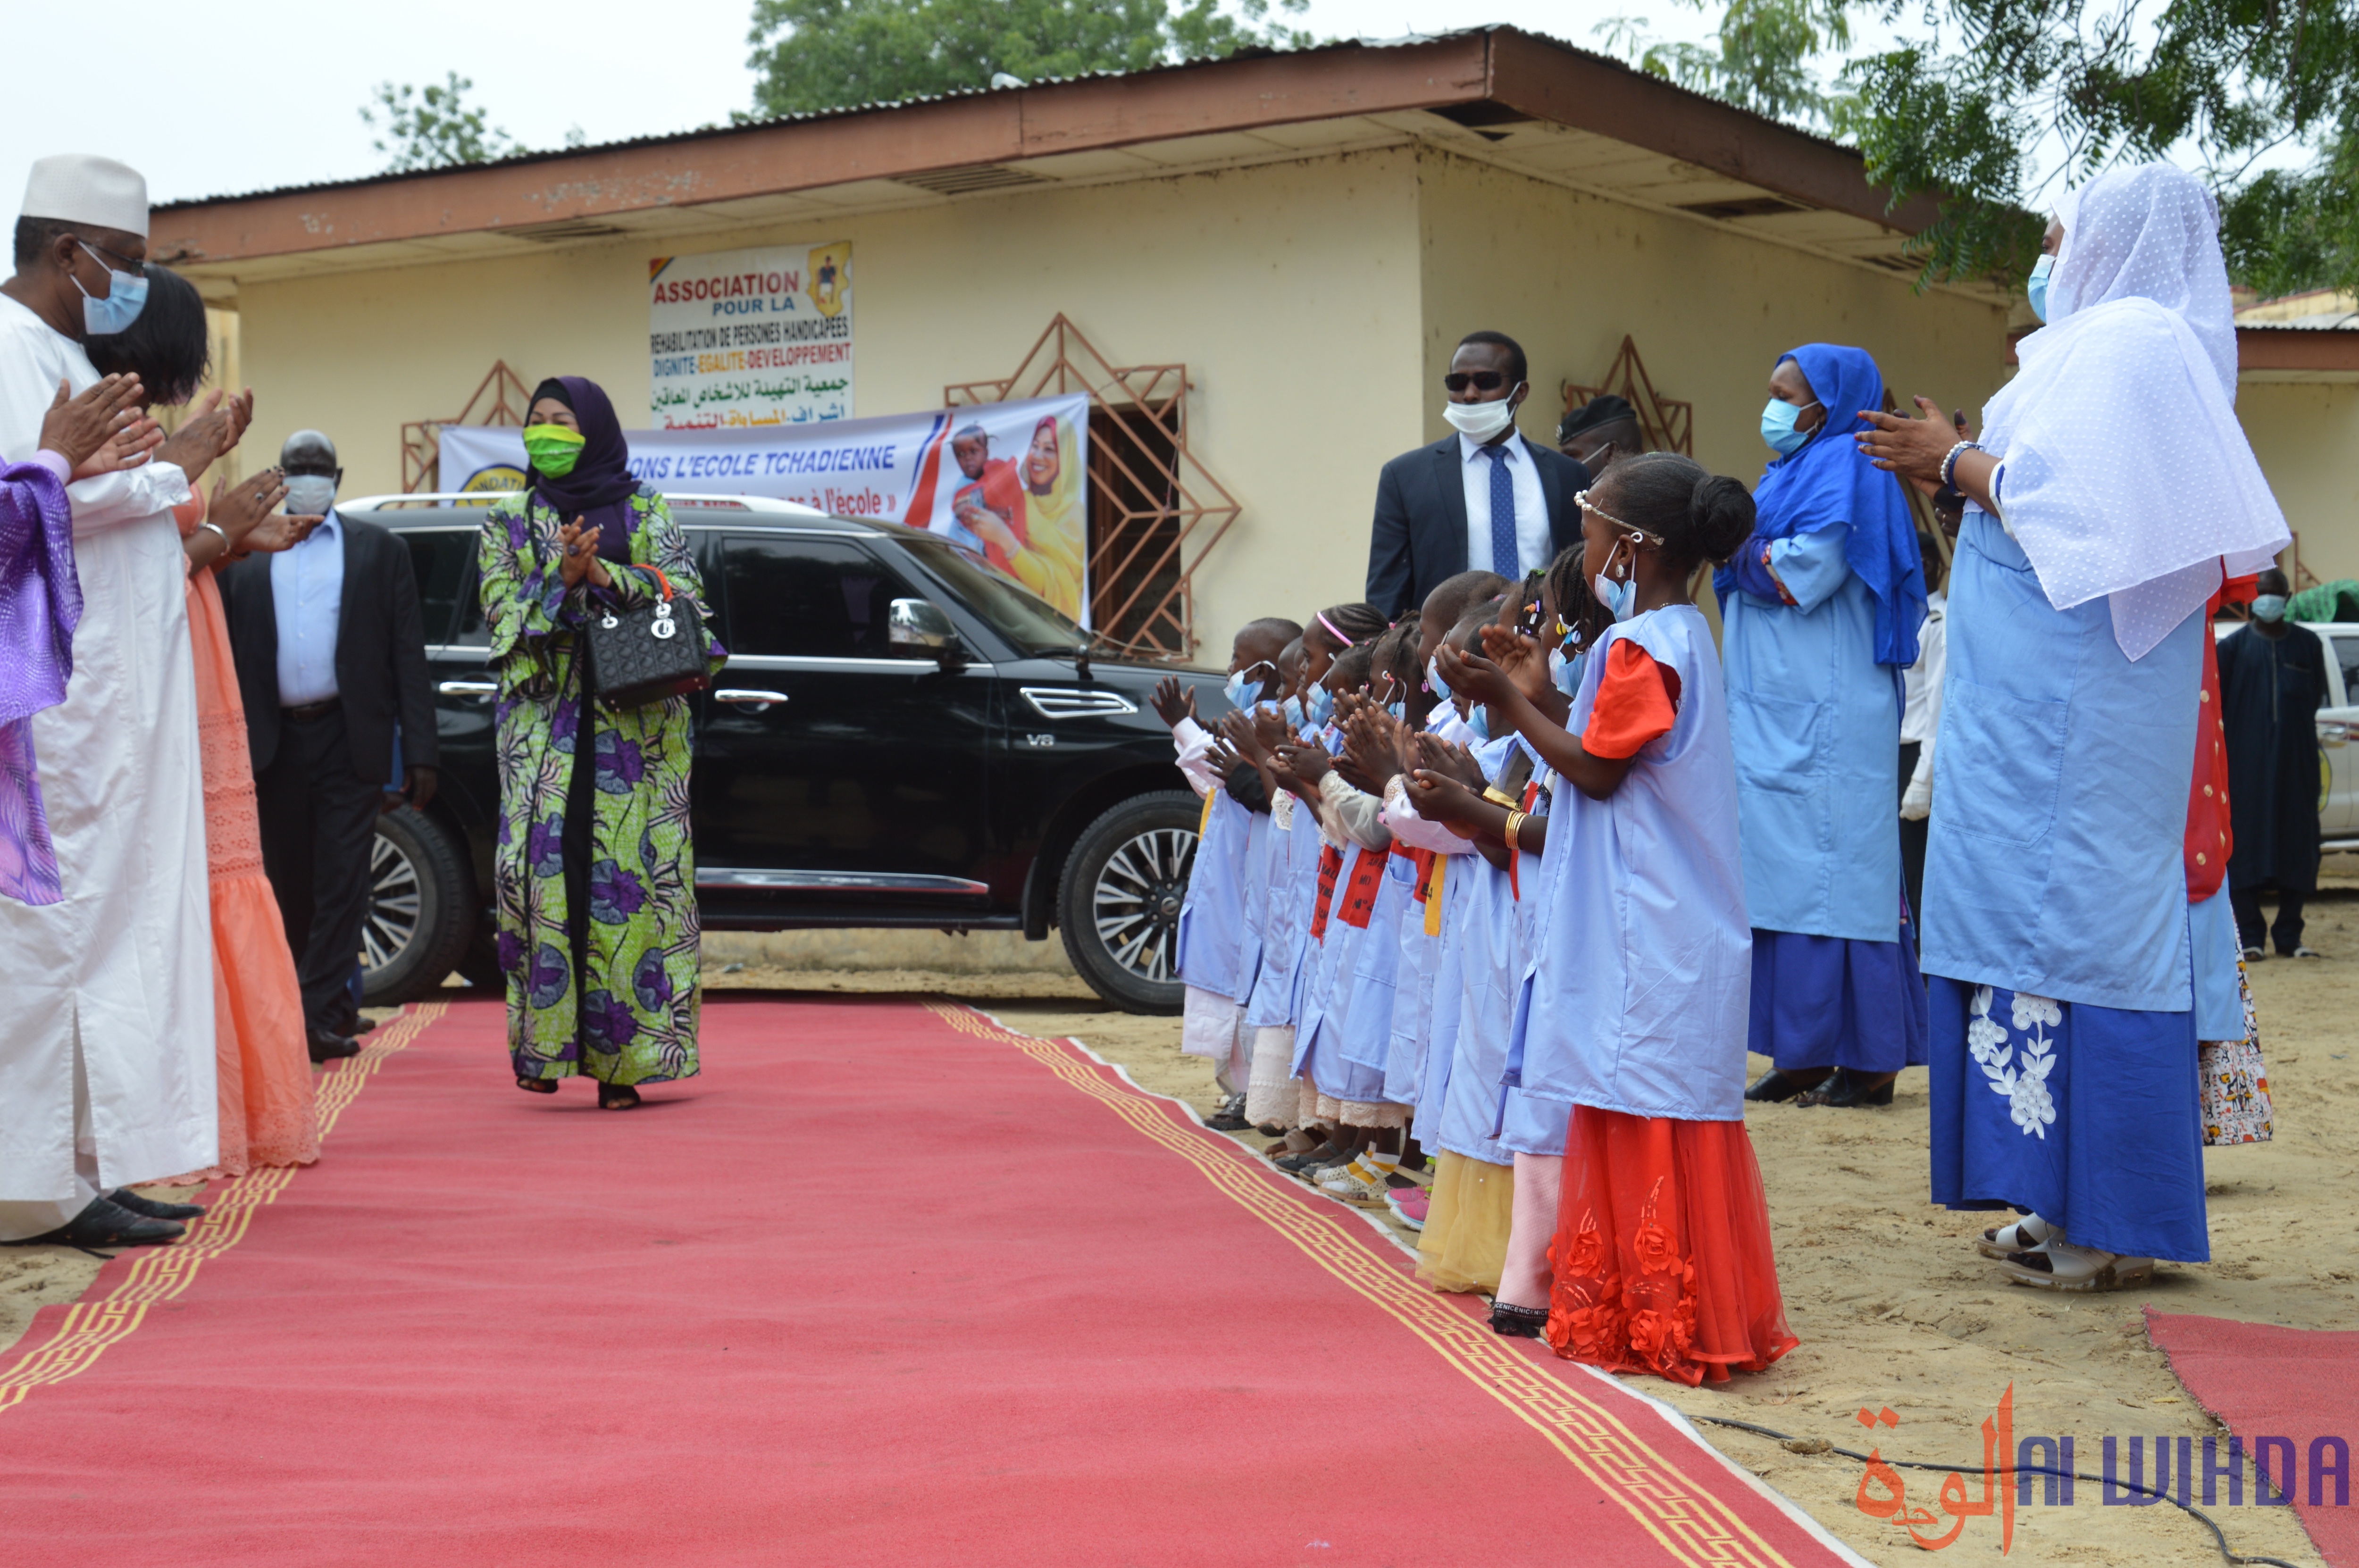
column 311, row 709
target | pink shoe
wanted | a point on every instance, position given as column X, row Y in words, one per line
column 1408, row 1205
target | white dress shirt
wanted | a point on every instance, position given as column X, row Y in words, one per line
column 307, row 593
column 1533, row 540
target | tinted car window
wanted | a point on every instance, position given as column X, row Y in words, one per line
column 2346, row 655
column 811, row 598
column 1029, row 621
column 443, row 559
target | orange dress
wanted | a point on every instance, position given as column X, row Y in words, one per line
column 269, row 1108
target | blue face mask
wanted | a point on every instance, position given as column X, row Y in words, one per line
column 1565, row 672
column 126, row 296
column 1397, row 707
column 1296, row 722
column 1433, row 681
column 1777, row 417
column 2269, row 607
column 1478, row 719
column 1242, row 689
column 2037, row 289
column 1320, row 706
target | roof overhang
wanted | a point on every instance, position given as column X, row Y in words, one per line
column 2298, row 354
column 1509, row 98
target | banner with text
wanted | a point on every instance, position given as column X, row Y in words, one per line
column 749, row 338
column 1006, row 481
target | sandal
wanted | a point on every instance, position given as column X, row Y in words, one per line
column 2023, row 1236
column 2060, row 1266
column 537, row 1086
column 616, row 1096
column 1517, row 1322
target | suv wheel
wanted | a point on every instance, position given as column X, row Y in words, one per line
column 420, row 910
column 1118, row 904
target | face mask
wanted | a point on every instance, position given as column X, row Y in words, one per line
column 1296, row 722
column 310, row 494
column 2269, row 607
column 1777, row 417
column 1480, row 422
column 553, row 448
column 1397, row 707
column 1563, row 673
column 1320, row 706
column 1433, row 681
column 2037, row 289
column 125, row 297
column 1241, row 689
column 1619, row 597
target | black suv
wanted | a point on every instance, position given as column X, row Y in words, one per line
column 902, row 738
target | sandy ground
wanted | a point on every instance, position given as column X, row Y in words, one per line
column 1892, row 1304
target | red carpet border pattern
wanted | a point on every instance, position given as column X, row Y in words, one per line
column 1692, row 1526
column 160, row 1274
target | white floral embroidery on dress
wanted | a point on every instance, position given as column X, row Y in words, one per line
column 2029, row 1105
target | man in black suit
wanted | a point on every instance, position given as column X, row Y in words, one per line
column 1481, row 498
column 330, row 652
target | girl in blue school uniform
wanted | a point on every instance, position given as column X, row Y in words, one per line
column 1634, row 1011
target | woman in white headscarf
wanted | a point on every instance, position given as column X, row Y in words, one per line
column 2111, row 491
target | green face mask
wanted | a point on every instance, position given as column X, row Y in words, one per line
column 553, row 448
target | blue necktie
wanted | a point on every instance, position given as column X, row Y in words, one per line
column 1503, row 514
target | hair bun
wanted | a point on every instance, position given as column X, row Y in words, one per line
column 1720, row 517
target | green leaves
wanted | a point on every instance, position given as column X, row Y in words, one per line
column 433, row 128
column 827, row 54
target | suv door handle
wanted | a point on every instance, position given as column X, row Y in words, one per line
column 738, row 696
column 468, row 689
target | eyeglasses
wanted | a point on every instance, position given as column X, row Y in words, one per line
column 136, row 268
column 1479, row 380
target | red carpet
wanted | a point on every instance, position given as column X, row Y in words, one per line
column 2301, row 1384
column 886, row 1285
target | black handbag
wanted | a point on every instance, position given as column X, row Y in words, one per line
column 647, row 654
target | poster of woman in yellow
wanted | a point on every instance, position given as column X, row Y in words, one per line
column 1049, row 560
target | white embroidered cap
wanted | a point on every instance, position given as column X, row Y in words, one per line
column 81, row 189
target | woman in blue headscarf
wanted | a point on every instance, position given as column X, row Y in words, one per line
column 1819, row 611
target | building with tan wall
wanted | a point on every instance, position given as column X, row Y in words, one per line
column 1309, row 234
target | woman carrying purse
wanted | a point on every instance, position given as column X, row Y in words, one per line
column 595, row 873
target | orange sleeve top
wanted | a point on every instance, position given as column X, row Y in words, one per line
column 1637, row 699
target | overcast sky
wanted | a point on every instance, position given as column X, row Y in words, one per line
column 251, row 95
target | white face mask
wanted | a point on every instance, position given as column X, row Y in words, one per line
column 310, row 494
column 1481, row 421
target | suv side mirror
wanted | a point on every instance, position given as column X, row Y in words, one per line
column 918, row 626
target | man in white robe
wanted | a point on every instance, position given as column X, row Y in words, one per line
column 107, row 1006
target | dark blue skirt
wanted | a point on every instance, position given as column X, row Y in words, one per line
column 1827, row 1001
column 2087, row 1115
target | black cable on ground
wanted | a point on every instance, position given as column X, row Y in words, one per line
column 2219, row 1536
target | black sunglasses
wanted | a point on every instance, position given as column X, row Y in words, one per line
column 1479, row 380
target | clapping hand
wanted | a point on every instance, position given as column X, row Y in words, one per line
column 1307, row 762
column 241, row 512
column 1474, row 677
column 580, row 543
column 1450, row 760
column 1519, row 657
column 102, row 429
column 1913, row 448
column 216, row 427
column 1173, row 701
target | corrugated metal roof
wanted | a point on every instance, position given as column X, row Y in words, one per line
column 702, row 133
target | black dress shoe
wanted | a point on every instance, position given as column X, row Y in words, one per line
column 124, row 1197
column 363, row 1027
column 1848, row 1090
column 107, row 1224
column 328, row 1047
column 1773, row 1085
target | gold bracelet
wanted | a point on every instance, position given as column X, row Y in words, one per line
column 1498, row 796
column 1516, row 819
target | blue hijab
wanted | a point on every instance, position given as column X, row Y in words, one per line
column 1829, row 480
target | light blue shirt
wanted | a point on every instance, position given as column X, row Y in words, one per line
column 1815, row 723
column 1533, row 540
column 307, row 589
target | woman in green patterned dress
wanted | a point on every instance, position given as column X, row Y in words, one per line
column 595, row 875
